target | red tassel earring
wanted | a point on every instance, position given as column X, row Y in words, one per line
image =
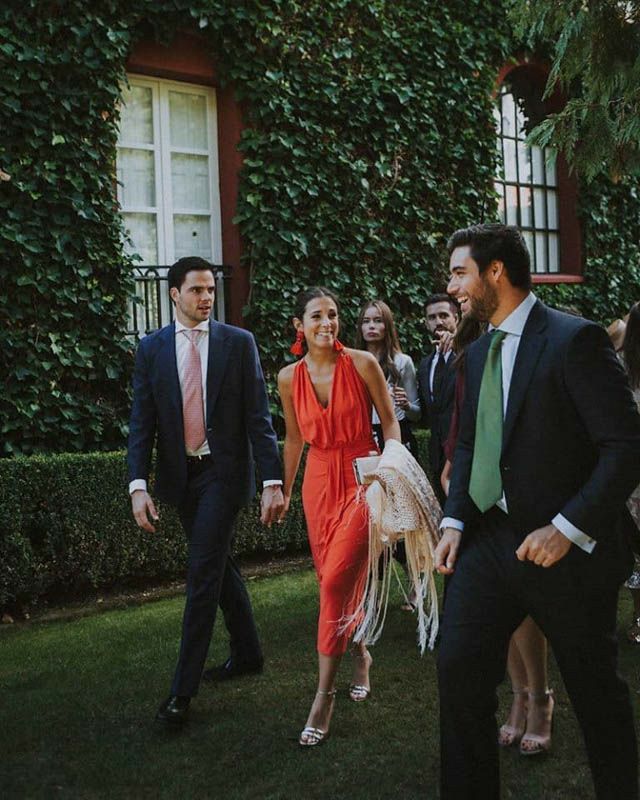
column 296, row 347
column 337, row 345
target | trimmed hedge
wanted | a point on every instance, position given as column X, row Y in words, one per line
column 66, row 528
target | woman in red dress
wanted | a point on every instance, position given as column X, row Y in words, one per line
column 327, row 398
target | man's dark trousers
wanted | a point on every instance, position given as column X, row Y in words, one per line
column 213, row 579
column 489, row 595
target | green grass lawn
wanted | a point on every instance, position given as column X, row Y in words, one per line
column 78, row 700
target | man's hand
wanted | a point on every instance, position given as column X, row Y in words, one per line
column 271, row 505
column 446, row 552
column 445, row 341
column 144, row 510
column 545, row 546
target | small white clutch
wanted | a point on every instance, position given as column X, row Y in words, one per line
column 364, row 467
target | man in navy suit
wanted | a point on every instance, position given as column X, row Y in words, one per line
column 437, row 381
column 199, row 395
column 536, row 521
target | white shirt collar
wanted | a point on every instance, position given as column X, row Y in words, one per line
column 517, row 319
column 201, row 326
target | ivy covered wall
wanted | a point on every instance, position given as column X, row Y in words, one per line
column 369, row 138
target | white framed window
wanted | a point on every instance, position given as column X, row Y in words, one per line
column 167, row 169
column 527, row 185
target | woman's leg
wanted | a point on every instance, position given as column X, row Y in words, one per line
column 322, row 707
column 532, row 645
column 360, row 687
column 513, row 729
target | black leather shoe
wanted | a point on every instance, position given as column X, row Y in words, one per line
column 174, row 710
column 232, row 669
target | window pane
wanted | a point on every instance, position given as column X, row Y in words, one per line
column 554, row 253
column 538, row 165
column 510, row 172
column 508, row 116
column 541, row 252
column 188, row 115
column 142, row 230
column 192, row 236
column 524, row 163
column 521, row 121
column 512, row 205
column 525, row 207
column 528, row 238
column 136, row 118
column 550, row 155
column 552, row 210
column 136, row 173
column 539, row 208
column 501, row 209
column 190, row 181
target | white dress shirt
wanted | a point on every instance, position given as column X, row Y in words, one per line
column 513, row 326
column 434, row 362
column 182, row 351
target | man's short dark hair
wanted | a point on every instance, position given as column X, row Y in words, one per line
column 495, row 242
column 178, row 271
column 442, row 297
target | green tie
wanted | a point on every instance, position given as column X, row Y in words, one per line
column 485, row 484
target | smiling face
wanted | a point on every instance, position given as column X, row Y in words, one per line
column 473, row 290
column 319, row 323
column 372, row 326
column 194, row 299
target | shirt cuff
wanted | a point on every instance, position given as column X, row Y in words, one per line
column 450, row 522
column 271, row 483
column 139, row 483
column 574, row 534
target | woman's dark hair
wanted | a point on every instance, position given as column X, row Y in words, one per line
column 390, row 344
column 312, row 294
column 631, row 346
column 494, row 242
column 469, row 329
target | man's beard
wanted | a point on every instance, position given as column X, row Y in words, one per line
column 483, row 307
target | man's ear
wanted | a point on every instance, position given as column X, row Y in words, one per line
column 174, row 294
column 497, row 269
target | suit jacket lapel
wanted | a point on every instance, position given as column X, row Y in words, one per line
column 169, row 367
column 531, row 346
column 218, row 355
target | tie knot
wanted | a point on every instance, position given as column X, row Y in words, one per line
column 496, row 338
column 192, row 334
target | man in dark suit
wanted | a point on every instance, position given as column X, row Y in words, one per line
column 199, row 394
column 535, row 522
column 437, row 380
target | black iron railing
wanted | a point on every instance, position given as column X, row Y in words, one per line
column 151, row 307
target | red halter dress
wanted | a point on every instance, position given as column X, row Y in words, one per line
column 336, row 523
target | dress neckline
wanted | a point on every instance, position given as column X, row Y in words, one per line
column 313, row 388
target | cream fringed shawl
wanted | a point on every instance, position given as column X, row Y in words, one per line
column 402, row 505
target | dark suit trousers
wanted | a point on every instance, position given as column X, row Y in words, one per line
column 213, row 579
column 574, row 603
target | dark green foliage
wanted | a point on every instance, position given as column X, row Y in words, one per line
column 611, row 236
column 66, row 527
column 596, row 62
column 369, row 138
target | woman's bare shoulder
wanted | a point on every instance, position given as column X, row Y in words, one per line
column 362, row 359
column 285, row 376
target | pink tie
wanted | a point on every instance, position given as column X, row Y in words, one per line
column 192, row 407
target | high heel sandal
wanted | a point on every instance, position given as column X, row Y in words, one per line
column 357, row 691
column 510, row 735
column 534, row 744
column 310, row 736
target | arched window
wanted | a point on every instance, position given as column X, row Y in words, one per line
column 535, row 190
